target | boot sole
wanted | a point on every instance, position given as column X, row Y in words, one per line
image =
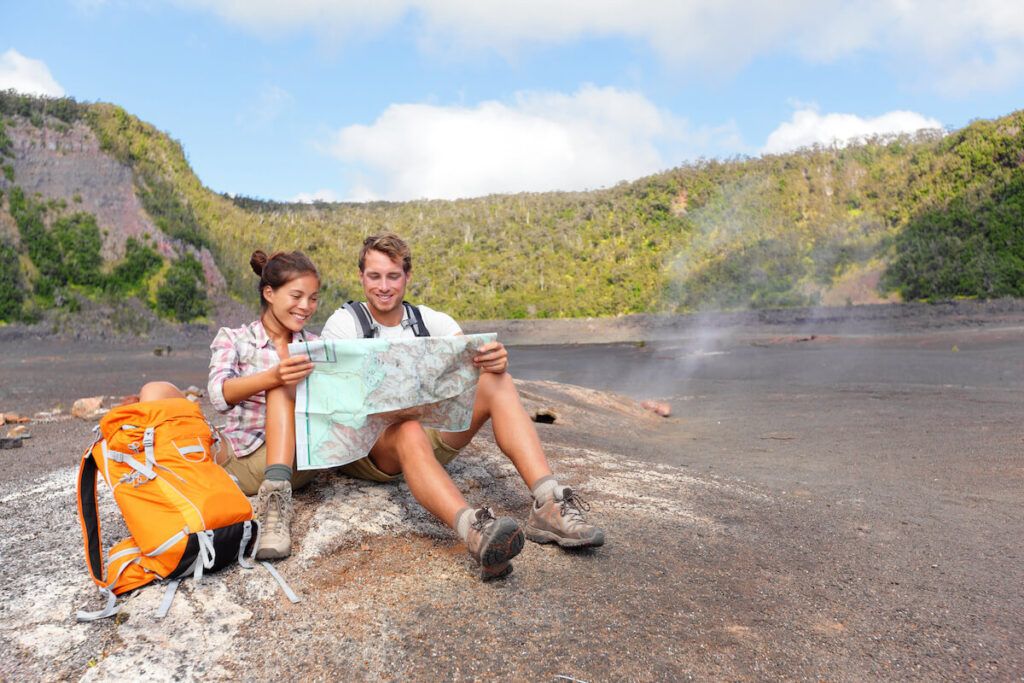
column 539, row 536
column 506, row 541
column 496, row 572
column 271, row 553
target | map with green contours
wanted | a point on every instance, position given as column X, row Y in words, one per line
column 359, row 387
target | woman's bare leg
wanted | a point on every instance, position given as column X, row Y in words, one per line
column 281, row 426
column 155, row 391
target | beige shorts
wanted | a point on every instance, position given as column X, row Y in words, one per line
column 248, row 470
column 365, row 469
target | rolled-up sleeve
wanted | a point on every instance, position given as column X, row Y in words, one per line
column 223, row 366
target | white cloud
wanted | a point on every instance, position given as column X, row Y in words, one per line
column 926, row 40
column 334, row 19
column 271, row 102
column 808, row 127
column 1001, row 70
column 27, row 75
column 318, row 196
column 541, row 141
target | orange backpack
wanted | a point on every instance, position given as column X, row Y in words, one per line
column 184, row 512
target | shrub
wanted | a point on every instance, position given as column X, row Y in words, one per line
column 79, row 240
column 182, row 296
column 43, row 248
column 11, row 291
column 140, row 261
column 167, row 210
column 34, row 107
column 5, row 141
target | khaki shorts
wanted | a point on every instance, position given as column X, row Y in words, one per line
column 248, row 470
column 365, row 469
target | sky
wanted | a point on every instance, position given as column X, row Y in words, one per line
column 349, row 100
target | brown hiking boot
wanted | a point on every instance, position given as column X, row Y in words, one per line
column 560, row 519
column 493, row 542
column 274, row 513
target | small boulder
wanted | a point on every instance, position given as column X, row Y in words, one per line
column 657, row 407
column 48, row 415
column 18, row 432
column 88, row 408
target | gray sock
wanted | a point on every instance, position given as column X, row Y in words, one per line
column 463, row 518
column 544, row 488
column 277, row 473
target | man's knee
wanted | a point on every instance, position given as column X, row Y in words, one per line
column 410, row 440
column 491, row 384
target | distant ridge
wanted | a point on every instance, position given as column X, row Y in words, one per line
column 926, row 216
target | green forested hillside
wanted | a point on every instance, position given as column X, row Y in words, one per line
column 941, row 216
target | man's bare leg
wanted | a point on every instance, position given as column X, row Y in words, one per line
column 498, row 401
column 405, row 448
column 491, row 541
column 557, row 515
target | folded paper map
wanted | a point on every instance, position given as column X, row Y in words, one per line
column 359, row 387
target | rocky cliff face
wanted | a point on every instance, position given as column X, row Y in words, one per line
column 66, row 163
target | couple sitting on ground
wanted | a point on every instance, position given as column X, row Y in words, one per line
column 253, row 379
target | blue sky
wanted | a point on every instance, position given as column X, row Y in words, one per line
column 402, row 99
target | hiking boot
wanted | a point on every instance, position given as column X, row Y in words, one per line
column 493, row 542
column 560, row 519
column 274, row 513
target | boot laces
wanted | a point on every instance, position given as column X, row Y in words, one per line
column 573, row 505
column 276, row 509
column 484, row 516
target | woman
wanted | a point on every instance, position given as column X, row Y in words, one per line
column 252, row 382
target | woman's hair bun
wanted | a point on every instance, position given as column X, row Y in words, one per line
column 258, row 261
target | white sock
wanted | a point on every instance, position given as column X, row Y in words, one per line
column 544, row 488
column 463, row 518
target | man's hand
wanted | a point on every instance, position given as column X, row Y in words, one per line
column 292, row 370
column 492, row 357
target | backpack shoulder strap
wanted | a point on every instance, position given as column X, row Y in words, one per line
column 362, row 316
column 87, row 515
column 414, row 319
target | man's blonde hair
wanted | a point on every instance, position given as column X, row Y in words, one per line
column 387, row 243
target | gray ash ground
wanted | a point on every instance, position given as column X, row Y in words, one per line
column 838, row 495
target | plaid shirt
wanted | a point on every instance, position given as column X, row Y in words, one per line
column 239, row 352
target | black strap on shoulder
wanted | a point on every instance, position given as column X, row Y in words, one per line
column 362, row 316
column 414, row 319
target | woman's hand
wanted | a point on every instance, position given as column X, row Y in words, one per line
column 292, row 370
column 289, row 372
column 492, row 357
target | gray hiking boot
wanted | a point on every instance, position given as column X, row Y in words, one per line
column 493, row 542
column 560, row 519
column 274, row 512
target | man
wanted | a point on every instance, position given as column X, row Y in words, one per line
column 407, row 449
